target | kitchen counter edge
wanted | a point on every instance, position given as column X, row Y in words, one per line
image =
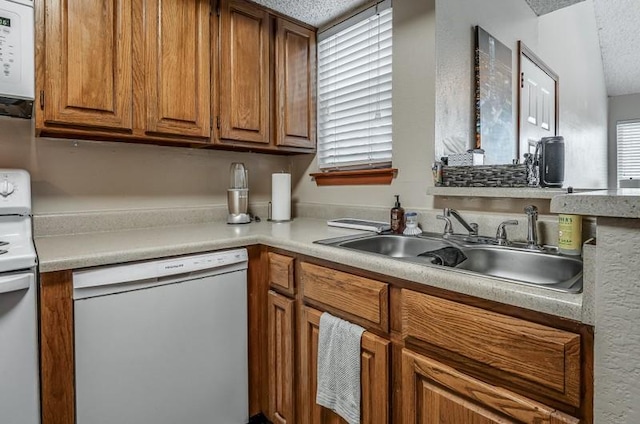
column 64, row 252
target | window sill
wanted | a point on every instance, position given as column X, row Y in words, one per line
column 360, row 177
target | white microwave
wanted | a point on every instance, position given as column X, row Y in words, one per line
column 16, row 57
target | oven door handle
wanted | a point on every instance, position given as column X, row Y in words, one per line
column 15, row 283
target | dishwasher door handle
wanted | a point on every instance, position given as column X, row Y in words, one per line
column 14, row 283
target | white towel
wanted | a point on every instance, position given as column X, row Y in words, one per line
column 339, row 367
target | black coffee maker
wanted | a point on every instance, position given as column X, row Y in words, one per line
column 549, row 157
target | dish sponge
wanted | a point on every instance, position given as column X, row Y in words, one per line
column 411, row 224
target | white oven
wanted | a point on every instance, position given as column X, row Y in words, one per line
column 19, row 371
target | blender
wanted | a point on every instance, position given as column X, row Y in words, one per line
column 238, row 195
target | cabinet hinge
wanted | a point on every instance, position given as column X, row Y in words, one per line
column 218, row 122
column 522, row 80
column 41, row 99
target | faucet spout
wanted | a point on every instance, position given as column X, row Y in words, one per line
column 532, row 228
column 472, row 227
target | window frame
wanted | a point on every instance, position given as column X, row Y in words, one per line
column 378, row 173
column 619, row 176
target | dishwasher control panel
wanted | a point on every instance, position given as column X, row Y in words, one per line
column 200, row 262
column 149, row 272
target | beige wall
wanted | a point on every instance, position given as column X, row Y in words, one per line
column 69, row 176
column 413, row 119
column 569, row 44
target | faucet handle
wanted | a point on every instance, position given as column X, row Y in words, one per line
column 501, row 234
column 531, row 210
column 448, row 227
column 475, row 229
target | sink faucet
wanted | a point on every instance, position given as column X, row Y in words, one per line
column 448, row 228
column 472, row 227
column 532, row 228
column 501, row 233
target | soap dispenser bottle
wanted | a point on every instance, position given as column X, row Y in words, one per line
column 397, row 217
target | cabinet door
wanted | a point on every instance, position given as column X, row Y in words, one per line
column 296, row 75
column 177, row 68
column 281, row 273
column 374, row 378
column 88, row 63
column 433, row 393
column 542, row 360
column 244, row 72
column 281, row 345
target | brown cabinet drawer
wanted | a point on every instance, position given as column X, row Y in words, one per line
column 361, row 300
column 532, row 356
column 435, row 393
column 281, row 273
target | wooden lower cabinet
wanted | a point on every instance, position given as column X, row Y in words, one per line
column 281, row 358
column 433, row 393
column 375, row 397
column 281, row 274
column 541, row 359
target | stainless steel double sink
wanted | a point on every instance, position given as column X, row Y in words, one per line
column 537, row 268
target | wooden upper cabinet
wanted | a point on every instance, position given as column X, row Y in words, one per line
column 244, row 72
column 178, row 67
column 295, row 89
column 88, row 63
column 374, row 379
column 171, row 71
column 433, row 393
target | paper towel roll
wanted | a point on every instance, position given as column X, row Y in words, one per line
column 281, row 197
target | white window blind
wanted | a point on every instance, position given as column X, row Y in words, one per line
column 354, row 92
column 628, row 137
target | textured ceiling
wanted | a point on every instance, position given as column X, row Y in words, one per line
column 619, row 29
column 541, row 7
column 618, row 26
column 314, row 12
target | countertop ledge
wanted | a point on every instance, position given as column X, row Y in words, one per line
column 620, row 203
column 62, row 252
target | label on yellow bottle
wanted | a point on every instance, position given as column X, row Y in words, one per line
column 570, row 234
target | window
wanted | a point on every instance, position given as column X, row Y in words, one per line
column 628, row 137
column 354, row 91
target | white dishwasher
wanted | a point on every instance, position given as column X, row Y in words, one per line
column 163, row 342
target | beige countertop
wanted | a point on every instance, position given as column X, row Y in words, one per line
column 620, row 203
column 75, row 251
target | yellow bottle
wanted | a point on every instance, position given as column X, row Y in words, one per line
column 570, row 234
